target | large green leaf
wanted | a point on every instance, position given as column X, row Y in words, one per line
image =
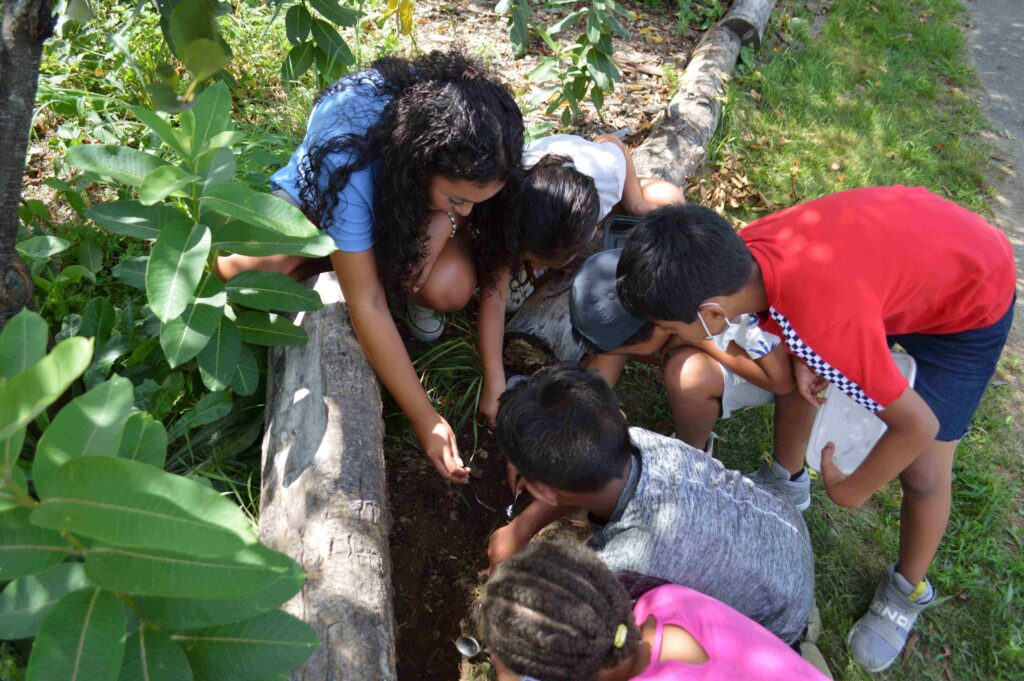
column 331, row 43
column 90, row 425
column 246, row 377
column 261, row 290
column 218, row 167
column 144, row 439
column 163, row 130
column 131, row 504
column 82, row 638
column 163, row 182
column 22, row 342
column 256, row 648
column 123, row 164
column 132, row 218
column 261, row 328
column 25, row 548
column 245, row 239
column 181, row 575
column 298, row 60
column 132, row 272
column 183, row 337
column 26, row 394
column 189, row 613
column 42, row 246
column 340, row 15
column 297, row 23
column 210, row 407
column 98, row 319
column 204, row 57
column 264, row 210
column 150, row 655
column 219, row 361
column 208, row 117
column 25, row 602
column 175, row 267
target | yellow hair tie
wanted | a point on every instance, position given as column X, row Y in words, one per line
column 620, row 635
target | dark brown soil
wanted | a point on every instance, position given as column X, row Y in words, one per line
column 439, row 551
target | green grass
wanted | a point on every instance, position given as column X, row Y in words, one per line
column 880, row 98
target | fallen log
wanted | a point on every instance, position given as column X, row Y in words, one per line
column 324, row 499
column 540, row 332
column 748, row 19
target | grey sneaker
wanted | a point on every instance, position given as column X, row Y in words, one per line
column 776, row 479
column 427, row 325
column 878, row 637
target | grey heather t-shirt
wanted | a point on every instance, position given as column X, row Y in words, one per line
column 685, row 518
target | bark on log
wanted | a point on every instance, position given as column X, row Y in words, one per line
column 677, row 149
column 25, row 26
column 540, row 332
column 748, row 19
column 324, row 500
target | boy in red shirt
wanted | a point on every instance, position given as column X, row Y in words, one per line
column 840, row 279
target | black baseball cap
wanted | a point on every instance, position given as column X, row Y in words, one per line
column 594, row 307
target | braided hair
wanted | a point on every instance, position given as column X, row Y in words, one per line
column 552, row 612
column 445, row 116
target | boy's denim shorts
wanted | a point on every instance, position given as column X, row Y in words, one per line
column 954, row 369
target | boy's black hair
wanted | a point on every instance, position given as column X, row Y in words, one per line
column 553, row 610
column 642, row 335
column 558, row 209
column 678, row 257
column 563, row 427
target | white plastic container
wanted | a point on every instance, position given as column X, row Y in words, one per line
column 853, row 429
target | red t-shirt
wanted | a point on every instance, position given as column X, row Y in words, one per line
column 844, row 271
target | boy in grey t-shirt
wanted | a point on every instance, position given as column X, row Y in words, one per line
column 664, row 511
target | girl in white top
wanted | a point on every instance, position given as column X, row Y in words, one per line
column 571, row 184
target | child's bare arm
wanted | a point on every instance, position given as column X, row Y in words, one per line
column 633, row 200
column 773, row 372
column 507, row 541
column 491, row 331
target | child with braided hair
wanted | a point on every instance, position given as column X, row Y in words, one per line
column 554, row 612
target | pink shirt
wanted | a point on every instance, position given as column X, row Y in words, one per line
column 738, row 648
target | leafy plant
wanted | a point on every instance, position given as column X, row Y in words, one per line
column 585, row 66
column 117, row 568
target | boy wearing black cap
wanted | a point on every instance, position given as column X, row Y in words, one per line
column 742, row 366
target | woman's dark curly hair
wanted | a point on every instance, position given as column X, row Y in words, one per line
column 552, row 612
column 445, row 116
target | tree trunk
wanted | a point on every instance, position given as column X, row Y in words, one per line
column 25, row 26
column 540, row 331
column 324, row 499
column 748, row 19
column 677, row 149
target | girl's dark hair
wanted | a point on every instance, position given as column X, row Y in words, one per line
column 552, row 612
column 445, row 116
column 558, row 208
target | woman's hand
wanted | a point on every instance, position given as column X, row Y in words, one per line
column 489, row 401
column 808, row 384
column 438, row 442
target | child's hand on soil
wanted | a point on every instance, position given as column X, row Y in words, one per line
column 809, row 384
column 489, row 401
column 438, row 442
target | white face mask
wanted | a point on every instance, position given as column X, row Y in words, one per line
column 729, row 324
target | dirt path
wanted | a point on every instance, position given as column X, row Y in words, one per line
column 996, row 39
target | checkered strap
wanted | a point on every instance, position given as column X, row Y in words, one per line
column 819, row 366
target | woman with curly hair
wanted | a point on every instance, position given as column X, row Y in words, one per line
column 555, row 612
column 405, row 166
